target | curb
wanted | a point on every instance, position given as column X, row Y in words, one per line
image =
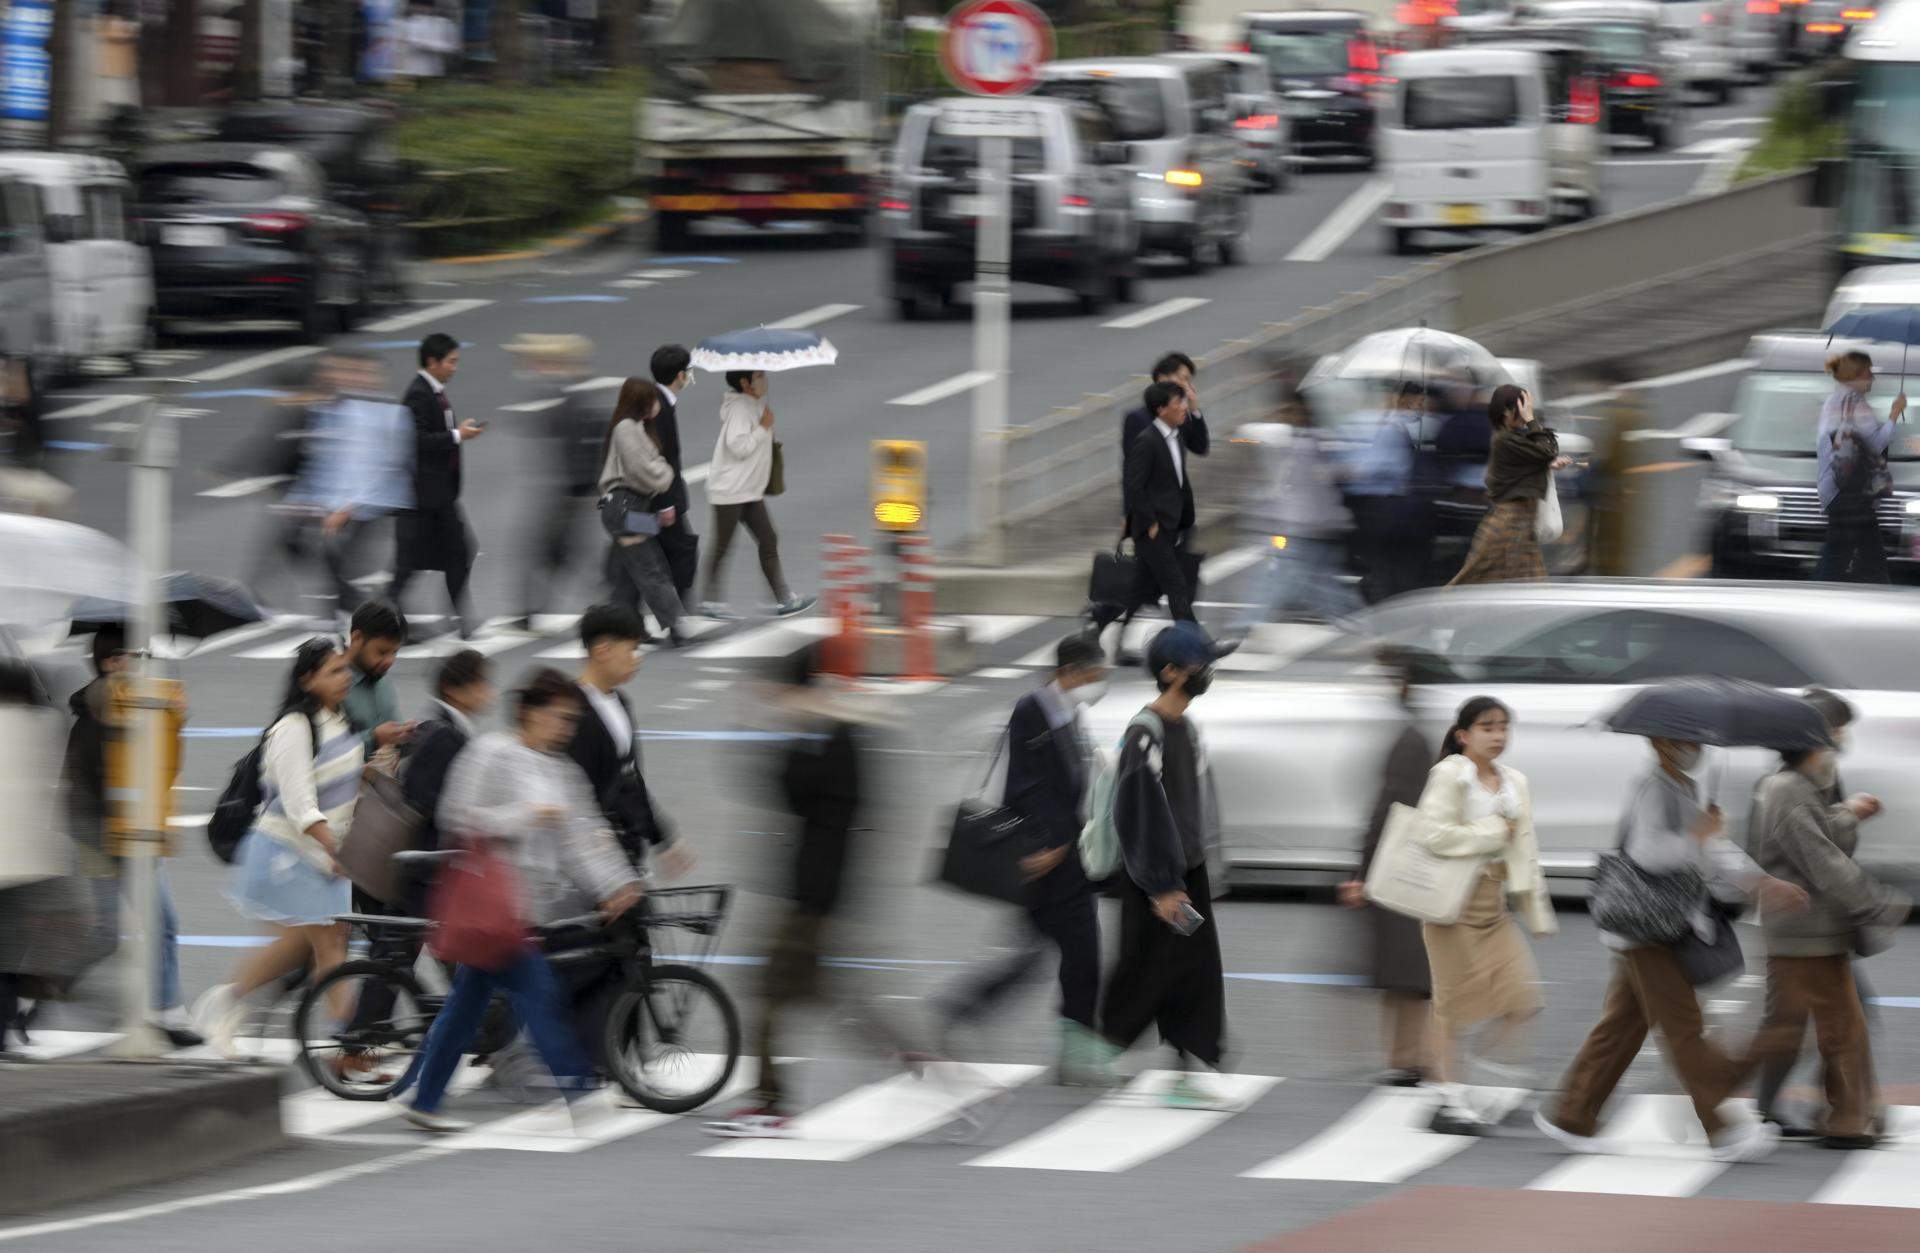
column 500, row 264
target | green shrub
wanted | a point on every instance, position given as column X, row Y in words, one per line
column 1796, row 134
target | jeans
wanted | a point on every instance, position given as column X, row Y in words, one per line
column 1854, row 552
column 166, row 987
column 639, row 572
column 1302, row 576
column 535, row 993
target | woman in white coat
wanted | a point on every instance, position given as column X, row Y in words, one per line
column 1483, row 970
column 737, row 487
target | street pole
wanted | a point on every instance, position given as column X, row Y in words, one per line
column 991, row 298
column 145, row 833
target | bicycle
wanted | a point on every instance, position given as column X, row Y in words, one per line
column 660, row 1017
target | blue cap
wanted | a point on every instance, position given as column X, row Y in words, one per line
column 1183, row 644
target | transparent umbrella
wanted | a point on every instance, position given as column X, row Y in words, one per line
column 1411, row 354
column 48, row 564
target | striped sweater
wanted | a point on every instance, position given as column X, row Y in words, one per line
column 299, row 787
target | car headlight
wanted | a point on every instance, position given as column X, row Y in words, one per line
column 1718, row 493
column 1756, row 502
column 1913, row 508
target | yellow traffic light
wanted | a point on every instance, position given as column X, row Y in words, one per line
column 899, row 484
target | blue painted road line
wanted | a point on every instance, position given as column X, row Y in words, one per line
column 693, row 261
column 76, row 445
column 384, row 345
column 248, row 393
column 574, row 300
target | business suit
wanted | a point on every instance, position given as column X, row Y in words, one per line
column 1158, row 493
column 1048, row 772
column 1193, row 433
column 678, row 543
column 617, row 782
column 433, row 535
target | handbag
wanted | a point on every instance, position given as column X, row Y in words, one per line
column 384, row 823
column 777, row 475
column 1548, row 525
column 624, row 512
column 1408, row 877
column 475, row 908
column 1706, row 962
column 982, row 856
column 1641, row 907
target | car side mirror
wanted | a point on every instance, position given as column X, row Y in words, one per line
column 1829, row 173
column 1110, row 153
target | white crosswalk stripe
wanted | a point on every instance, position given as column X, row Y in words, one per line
column 1651, row 1163
column 1129, row 1127
column 1383, row 1139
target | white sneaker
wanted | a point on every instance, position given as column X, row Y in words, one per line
column 1748, row 1142
column 718, row 610
column 1566, row 1139
column 434, row 1122
column 216, row 1015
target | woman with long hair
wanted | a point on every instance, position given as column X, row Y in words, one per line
column 1852, row 454
column 631, row 459
column 1524, row 455
column 1483, row 971
column 284, row 873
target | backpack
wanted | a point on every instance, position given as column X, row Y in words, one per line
column 1100, row 839
column 233, row 816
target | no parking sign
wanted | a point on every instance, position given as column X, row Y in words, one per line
column 996, row 47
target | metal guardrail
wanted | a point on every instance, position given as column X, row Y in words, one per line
column 1611, row 289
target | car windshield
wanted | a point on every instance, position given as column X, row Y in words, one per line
column 1780, row 413
column 1883, row 173
column 1615, row 42
column 1318, row 53
column 1461, row 102
column 233, row 182
column 1137, row 107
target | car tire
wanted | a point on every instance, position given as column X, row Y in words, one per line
column 1282, row 174
column 1232, row 250
column 1123, row 288
column 1096, row 297
column 1400, row 240
column 1194, row 253
column 312, row 320
column 669, row 232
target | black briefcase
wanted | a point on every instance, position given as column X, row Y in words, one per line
column 1112, row 580
column 982, row 857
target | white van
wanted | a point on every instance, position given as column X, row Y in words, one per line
column 1466, row 144
column 102, row 276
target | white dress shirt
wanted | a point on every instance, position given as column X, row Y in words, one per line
column 613, row 717
column 453, row 423
column 1172, row 436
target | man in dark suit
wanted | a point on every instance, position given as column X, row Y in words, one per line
column 604, row 745
column 1176, row 368
column 1048, row 772
column 434, row 535
column 672, row 369
column 1159, row 503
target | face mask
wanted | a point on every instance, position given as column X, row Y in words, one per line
column 1088, row 694
column 1199, row 682
column 1685, row 759
column 1823, row 775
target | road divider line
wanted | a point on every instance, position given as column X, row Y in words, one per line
column 812, row 317
column 1153, row 313
column 1727, row 160
column 259, row 361
column 603, row 383
column 94, row 408
column 940, row 391
column 246, row 487
column 1342, row 222
column 1228, row 564
column 445, row 309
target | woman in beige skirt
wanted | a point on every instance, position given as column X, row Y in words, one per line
column 1483, row 970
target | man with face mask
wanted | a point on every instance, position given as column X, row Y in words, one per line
column 1047, row 778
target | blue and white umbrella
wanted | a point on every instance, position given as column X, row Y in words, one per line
column 764, row 349
column 1900, row 325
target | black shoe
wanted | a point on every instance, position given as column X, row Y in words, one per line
column 1408, row 1078
column 181, row 1038
column 1453, row 1122
column 1794, row 1132
column 1848, row 1142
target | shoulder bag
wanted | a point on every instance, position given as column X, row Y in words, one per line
column 1706, row 962
column 475, row 908
column 777, row 476
column 1407, row 877
column 1652, row 909
column 384, row 823
column 982, row 856
column 1547, row 523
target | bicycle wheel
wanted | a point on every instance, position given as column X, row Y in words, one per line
column 363, row 1056
column 673, row 1042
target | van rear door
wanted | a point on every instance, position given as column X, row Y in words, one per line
column 1471, row 138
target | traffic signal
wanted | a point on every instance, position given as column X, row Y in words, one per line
column 899, row 484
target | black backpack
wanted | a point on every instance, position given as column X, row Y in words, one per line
column 233, row 816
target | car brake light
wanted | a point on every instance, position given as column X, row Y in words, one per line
column 1075, row 202
column 279, row 223
column 1636, row 79
column 1584, row 108
column 1859, row 15
column 1258, row 122
column 1706, row 19
column 1763, row 8
column 1184, row 178
column 1362, row 55
column 893, row 206
column 1826, row 28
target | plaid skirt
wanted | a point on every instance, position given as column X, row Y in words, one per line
column 1504, row 549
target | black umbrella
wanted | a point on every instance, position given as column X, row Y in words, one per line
column 197, row 607
column 1728, row 713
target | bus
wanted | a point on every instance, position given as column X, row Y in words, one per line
column 1875, row 186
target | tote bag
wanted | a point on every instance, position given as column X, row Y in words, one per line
column 1547, row 522
column 475, row 908
column 984, row 848
column 1411, row 879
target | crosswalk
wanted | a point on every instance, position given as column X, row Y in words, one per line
column 1382, row 1139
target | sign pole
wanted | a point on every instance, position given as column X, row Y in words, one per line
column 992, row 300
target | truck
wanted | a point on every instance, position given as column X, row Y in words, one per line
column 763, row 111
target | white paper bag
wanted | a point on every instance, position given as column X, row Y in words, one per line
column 1409, row 878
column 1547, row 523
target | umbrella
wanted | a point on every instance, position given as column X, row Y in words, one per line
column 1889, row 326
column 764, row 349
column 1729, row 713
column 49, row 564
column 197, row 607
column 1416, row 352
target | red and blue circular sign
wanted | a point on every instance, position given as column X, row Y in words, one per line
column 996, row 47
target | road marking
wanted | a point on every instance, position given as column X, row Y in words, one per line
column 631, row 283
column 317, row 1114
column 94, row 408
column 940, row 391
column 246, row 487
column 550, row 1129
column 1153, row 313
column 999, row 672
column 259, row 361
column 1119, row 1132
column 1342, row 222
column 1649, row 1162
column 49, row 1046
column 445, row 309
column 1717, row 177
column 991, row 628
column 1717, row 147
column 658, row 275
column 1689, row 567
column 1732, row 366
column 587, row 299
column 1727, row 123
column 697, row 475
column 1383, row 1139
column 1882, row 1176
column 236, row 637
column 1228, row 564
column 812, row 317
column 604, row 382
column 895, row 1110
column 1668, row 162
column 774, row 639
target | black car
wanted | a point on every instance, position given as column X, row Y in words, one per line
column 1639, row 93
column 1326, row 68
column 239, row 230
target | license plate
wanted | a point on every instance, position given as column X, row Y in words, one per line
column 756, row 184
column 1461, row 214
column 967, row 206
column 193, row 236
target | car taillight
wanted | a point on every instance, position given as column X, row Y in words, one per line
column 1706, row 19
column 1826, row 28
column 1075, row 202
column 1763, row 8
column 1184, row 178
column 1361, row 80
column 1362, row 56
column 1584, row 108
column 1636, row 79
column 278, row 223
column 1859, row 15
column 893, row 205
column 1258, row 122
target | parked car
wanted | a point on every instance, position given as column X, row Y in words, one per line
column 102, row 277
column 1073, row 224
column 1874, row 287
column 240, row 230
column 1639, row 93
column 1326, row 65
column 1190, row 194
column 1761, row 505
column 1296, row 757
column 1259, row 118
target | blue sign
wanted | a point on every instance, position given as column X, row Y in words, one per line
column 26, row 71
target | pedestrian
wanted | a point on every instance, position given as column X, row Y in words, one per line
column 1176, row 368
column 1525, row 454
column 427, row 37
column 1168, row 974
column 672, row 369
column 519, row 793
column 96, row 740
column 1048, row 772
column 1399, row 951
column 374, row 637
column 284, row 872
column 1304, row 525
column 1393, row 518
column 1670, row 829
column 570, row 434
column 1160, row 509
column 281, row 451
column 632, row 462
column 605, row 747
column 1852, row 450
column 1796, row 834
column 434, row 534
column 1483, row 972
column 742, row 468
column 819, row 778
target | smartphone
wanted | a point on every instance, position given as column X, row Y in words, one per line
column 1188, row 920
